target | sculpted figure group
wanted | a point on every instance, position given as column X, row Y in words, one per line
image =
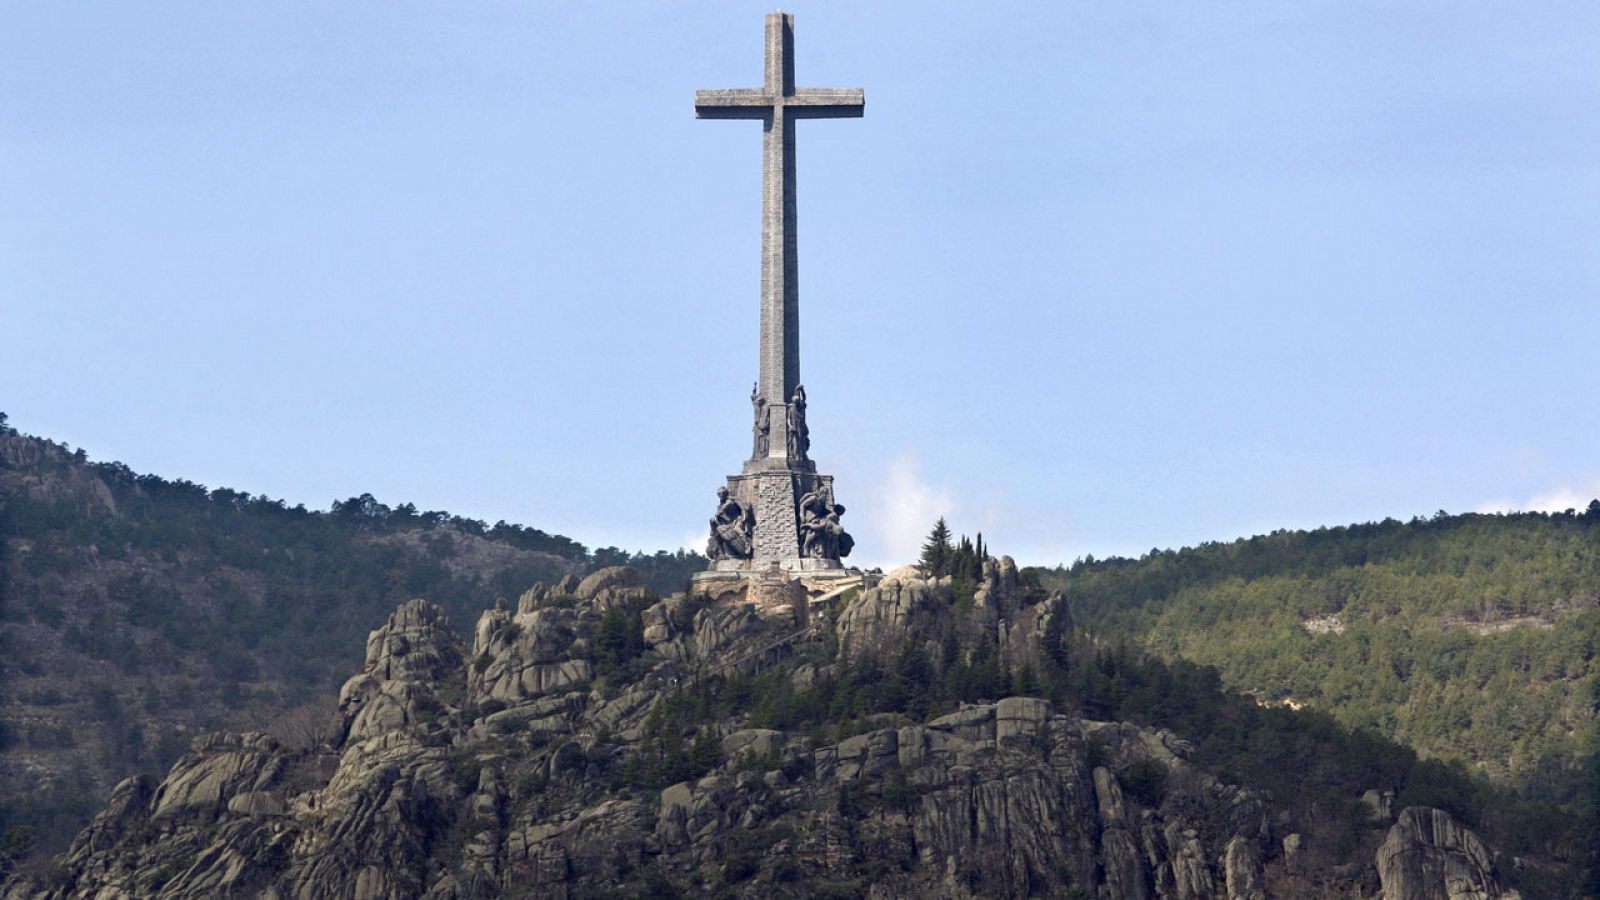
column 797, row 433
column 731, row 529
column 821, row 535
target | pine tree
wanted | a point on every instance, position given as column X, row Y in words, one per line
column 1025, row 683
column 936, row 552
column 960, row 561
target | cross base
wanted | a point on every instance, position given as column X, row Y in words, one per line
column 782, row 503
column 759, row 587
column 799, row 565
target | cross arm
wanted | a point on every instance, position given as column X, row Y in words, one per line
column 827, row 103
column 739, row 103
column 805, row 103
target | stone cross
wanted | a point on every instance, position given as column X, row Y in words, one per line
column 779, row 511
column 778, row 103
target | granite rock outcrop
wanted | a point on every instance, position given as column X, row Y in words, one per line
column 534, row 762
column 1428, row 855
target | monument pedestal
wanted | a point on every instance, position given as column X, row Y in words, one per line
column 772, row 490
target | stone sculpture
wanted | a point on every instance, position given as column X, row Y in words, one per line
column 762, row 427
column 799, row 434
column 821, row 534
column 731, row 528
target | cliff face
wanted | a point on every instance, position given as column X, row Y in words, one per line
column 597, row 742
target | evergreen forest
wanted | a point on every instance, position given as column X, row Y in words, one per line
column 1470, row 638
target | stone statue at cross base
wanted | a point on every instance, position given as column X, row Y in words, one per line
column 762, row 427
column 799, row 434
column 731, row 528
column 821, row 535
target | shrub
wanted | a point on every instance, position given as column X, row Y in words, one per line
column 464, row 769
column 19, row 842
column 740, row 867
column 1145, row 781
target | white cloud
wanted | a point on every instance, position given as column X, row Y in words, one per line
column 1565, row 497
column 904, row 509
column 694, row 540
column 1571, row 495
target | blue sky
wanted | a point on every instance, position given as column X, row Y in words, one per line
column 1090, row 278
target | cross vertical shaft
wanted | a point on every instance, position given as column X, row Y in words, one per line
column 778, row 104
column 780, row 263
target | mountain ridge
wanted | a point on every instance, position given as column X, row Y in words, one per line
column 903, row 740
column 136, row 611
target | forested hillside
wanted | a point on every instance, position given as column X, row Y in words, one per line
column 137, row 612
column 1469, row 637
column 914, row 737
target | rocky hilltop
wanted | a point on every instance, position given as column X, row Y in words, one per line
column 138, row 612
column 897, row 741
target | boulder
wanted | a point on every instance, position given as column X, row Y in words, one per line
column 612, row 581
column 1125, row 875
column 1108, row 798
column 1187, row 873
column 716, row 630
column 1020, row 717
column 216, row 768
column 657, row 621
column 490, row 797
column 1379, row 804
column 998, row 587
column 755, row 741
column 125, row 812
column 970, row 722
column 416, row 644
column 407, row 659
column 533, row 598
column 883, row 620
column 490, row 622
column 867, row 755
column 1293, row 848
column 903, row 574
column 1428, row 855
column 531, row 656
column 256, row 803
column 1241, row 862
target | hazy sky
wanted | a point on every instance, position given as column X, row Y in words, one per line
column 1090, row 278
